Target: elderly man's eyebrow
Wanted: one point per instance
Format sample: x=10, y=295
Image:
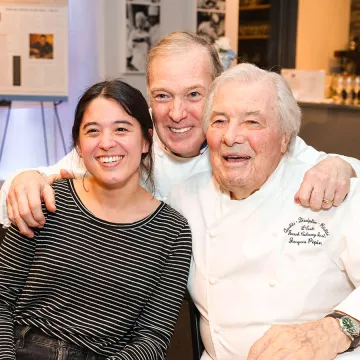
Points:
x=218, y=113
x=252, y=112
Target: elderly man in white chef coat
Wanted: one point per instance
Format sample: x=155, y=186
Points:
x=262, y=264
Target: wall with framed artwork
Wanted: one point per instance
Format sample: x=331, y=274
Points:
x=170, y=15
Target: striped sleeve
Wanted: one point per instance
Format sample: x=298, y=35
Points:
x=16, y=255
x=155, y=325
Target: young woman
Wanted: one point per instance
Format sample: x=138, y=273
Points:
x=105, y=277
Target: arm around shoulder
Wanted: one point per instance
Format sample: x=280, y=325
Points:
x=20, y=198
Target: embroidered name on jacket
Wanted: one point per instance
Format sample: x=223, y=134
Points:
x=306, y=231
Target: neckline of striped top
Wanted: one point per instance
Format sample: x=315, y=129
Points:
x=93, y=217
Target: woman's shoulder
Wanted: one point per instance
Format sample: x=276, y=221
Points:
x=173, y=215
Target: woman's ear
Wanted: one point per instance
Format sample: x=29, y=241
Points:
x=146, y=146
x=78, y=150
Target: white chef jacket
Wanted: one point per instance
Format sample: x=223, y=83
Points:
x=265, y=260
x=169, y=169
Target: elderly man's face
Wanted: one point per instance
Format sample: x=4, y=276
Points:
x=244, y=136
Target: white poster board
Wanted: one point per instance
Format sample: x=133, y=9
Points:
x=306, y=85
x=34, y=50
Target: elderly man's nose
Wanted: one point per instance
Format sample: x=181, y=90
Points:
x=233, y=135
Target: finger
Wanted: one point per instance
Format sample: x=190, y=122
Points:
x=49, y=198
x=35, y=208
x=67, y=174
x=51, y=178
x=23, y=227
x=23, y=207
x=302, y=197
x=341, y=193
x=316, y=199
x=16, y=219
x=257, y=349
x=259, y=346
x=270, y=351
x=329, y=196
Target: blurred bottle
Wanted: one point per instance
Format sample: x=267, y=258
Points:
x=354, y=44
x=357, y=91
x=350, y=93
x=339, y=89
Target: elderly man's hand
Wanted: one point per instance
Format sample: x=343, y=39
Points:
x=23, y=202
x=318, y=340
x=326, y=184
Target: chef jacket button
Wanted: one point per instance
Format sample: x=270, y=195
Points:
x=272, y=283
x=211, y=233
x=212, y=281
x=164, y=198
x=161, y=154
x=217, y=329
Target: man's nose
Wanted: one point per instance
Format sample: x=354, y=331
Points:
x=234, y=134
x=178, y=110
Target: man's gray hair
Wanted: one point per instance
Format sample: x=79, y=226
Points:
x=286, y=107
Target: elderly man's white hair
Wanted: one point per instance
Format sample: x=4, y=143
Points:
x=286, y=107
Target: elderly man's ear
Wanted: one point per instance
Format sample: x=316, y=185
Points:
x=284, y=143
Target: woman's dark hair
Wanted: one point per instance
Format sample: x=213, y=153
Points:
x=133, y=102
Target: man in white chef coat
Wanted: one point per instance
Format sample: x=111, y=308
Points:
x=180, y=70
x=266, y=271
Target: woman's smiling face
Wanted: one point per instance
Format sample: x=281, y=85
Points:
x=111, y=143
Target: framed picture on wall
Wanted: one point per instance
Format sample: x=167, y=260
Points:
x=212, y=5
x=211, y=18
x=142, y=32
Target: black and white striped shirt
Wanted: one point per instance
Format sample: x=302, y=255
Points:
x=115, y=289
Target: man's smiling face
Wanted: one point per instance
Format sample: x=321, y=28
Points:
x=178, y=85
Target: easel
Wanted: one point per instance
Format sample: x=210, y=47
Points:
x=6, y=103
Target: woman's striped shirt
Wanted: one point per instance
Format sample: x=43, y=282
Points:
x=115, y=289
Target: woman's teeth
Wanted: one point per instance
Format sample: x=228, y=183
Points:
x=109, y=159
x=177, y=131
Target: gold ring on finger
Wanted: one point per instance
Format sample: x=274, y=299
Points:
x=326, y=201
